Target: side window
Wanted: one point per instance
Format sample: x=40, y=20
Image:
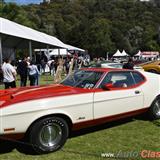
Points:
x=119, y=79
x=138, y=77
x=107, y=79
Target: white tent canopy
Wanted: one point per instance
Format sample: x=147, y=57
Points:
x=16, y=30
x=57, y=52
x=69, y=47
x=14, y=35
x=138, y=54
x=124, y=53
x=62, y=52
x=117, y=54
x=53, y=52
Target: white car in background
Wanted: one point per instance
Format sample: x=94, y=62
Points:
x=118, y=65
x=105, y=64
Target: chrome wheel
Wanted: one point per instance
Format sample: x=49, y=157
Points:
x=154, y=111
x=50, y=135
x=156, y=108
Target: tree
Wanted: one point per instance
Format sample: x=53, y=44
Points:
x=98, y=26
x=99, y=36
x=16, y=13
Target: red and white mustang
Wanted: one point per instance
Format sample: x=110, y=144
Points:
x=47, y=114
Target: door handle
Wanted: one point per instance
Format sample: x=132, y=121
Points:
x=137, y=92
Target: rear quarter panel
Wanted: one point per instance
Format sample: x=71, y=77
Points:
x=151, y=88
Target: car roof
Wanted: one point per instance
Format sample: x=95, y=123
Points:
x=104, y=69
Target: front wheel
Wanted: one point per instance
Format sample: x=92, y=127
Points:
x=48, y=134
x=155, y=109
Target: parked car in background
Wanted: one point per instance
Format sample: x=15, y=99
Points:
x=153, y=67
x=45, y=115
x=98, y=64
x=109, y=64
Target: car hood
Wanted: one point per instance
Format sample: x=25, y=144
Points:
x=16, y=95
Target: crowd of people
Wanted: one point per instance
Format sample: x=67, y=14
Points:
x=24, y=68
x=28, y=69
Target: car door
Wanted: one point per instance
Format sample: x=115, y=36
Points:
x=121, y=98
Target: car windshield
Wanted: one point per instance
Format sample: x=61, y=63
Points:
x=82, y=79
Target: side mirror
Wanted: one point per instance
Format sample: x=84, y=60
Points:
x=107, y=86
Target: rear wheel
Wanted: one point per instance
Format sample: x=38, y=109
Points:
x=155, y=109
x=48, y=135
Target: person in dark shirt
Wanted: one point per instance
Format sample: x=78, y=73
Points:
x=22, y=69
x=129, y=64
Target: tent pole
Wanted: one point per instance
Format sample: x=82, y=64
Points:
x=1, y=56
x=30, y=49
x=47, y=52
x=14, y=54
x=58, y=52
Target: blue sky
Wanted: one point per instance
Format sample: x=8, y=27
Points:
x=24, y=1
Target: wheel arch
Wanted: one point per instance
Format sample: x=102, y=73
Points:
x=158, y=96
x=152, y=112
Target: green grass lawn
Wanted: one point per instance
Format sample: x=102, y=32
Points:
x=129, y=135
x=125, y=136
x=43, y=79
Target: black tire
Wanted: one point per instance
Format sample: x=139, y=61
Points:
x=155, y=109
x=6, y=146
x=152, y=71
x=48, y=134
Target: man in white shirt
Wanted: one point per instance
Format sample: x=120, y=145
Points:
x=9, y=74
